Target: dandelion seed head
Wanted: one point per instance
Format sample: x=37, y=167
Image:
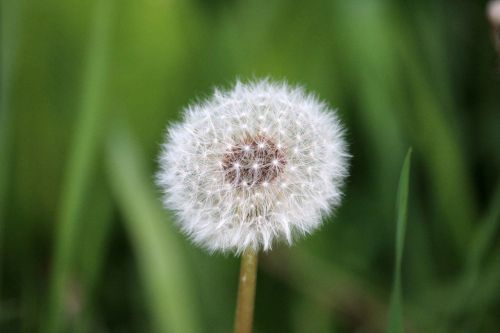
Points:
x=273, y=177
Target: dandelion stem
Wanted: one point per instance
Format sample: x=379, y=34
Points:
x=246, y=292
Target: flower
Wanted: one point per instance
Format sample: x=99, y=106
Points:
x=249, y=166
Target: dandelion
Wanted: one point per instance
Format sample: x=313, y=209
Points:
x=260, y=163
x=253, y=166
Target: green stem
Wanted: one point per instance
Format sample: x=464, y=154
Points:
x=246, y=292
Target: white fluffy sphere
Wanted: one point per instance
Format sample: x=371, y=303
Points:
x=258, y=163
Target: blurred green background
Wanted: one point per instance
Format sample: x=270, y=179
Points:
x=87, y=88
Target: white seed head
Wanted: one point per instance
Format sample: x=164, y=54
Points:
x=274, y=176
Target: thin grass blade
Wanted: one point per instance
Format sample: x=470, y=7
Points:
x=81, y=165
x=161, y=259
x=395, y=324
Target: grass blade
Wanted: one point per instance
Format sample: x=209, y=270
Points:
x=485, y=235
x=442, y=155
x=9, y=17
x=161, y=259
x=81, y=163
x=472, y=282
x=396, y=307
x=95, y=238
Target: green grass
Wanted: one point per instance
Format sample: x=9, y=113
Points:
x=9, y=16
x=396, y=323
x=88, y=88
x=81, y=166
x=161, y=259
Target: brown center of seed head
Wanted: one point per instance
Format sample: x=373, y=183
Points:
x=255, y=161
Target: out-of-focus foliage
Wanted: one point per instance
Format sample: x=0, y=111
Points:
x=87, y=88
x=395, y=322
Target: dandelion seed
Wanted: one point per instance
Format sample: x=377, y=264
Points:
x=242, y=194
